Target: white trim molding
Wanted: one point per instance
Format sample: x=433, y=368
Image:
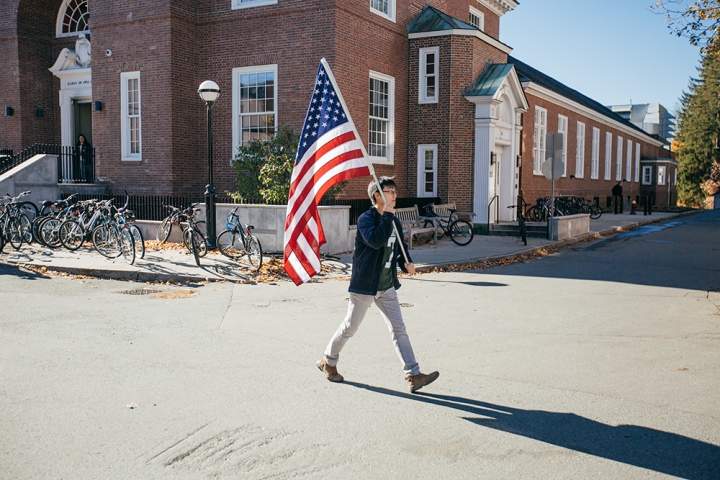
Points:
x=424, y=76
x=465, y=33
x=501, y=7
x=557, y=99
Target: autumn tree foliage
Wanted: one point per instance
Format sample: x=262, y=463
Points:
x=697, y=20
x=698, y=132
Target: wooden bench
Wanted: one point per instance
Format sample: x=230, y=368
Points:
x=412, y=223
x=443, y=210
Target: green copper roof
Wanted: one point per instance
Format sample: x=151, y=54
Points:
x=433, y=20
x=490, y=80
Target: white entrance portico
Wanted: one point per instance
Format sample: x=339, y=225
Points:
x=499, y=101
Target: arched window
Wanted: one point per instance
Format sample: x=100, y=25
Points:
x=73, y=18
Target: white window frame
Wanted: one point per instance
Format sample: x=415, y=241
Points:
x=539, y=140
x=595, y=161
x=580, y=151
x=661, y=174
x=480, y=16
x=125, y=117
x=423, y=97
x=647, y=175
x=628, y=166
x=675, y=174
x=637, y=162
x=238, y=4
x=59, y=22
x=618, y=165
x=390, y=14
x=563, y=128
x=236, y=114
x=390, y=147
x=422, y=170
x=608, y=155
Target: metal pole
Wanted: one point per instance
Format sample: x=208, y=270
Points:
x=210, y=188
x=552, y=194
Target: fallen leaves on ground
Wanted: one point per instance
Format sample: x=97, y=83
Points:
x=175, y=294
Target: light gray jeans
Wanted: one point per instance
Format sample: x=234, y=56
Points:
x=387, y=302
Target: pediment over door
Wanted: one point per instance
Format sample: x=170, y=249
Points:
x=499, y=81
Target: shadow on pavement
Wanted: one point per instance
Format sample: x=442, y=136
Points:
x=643, y=447
x=17, y=272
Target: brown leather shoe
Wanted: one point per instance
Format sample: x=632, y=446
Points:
x=330, y=372
x=416, y=382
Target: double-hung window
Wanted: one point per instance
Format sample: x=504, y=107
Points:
x=618, y=166
x=427, y=170
x=647, y=175
x=254, y=104
x=539, y=146
x=628, y=166
x=595, y=161
x=381, y=118
x=608, y=155
x=237, y=4
x=384, y=8
x=637, y=162
x=661, y=174
x=563, y=128
x=130, y=128
x=580, y=153
x=428, y=81
x=477, y=18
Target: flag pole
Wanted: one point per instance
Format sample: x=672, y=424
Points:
x=328, y=71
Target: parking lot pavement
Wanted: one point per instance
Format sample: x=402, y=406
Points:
x=177, y=265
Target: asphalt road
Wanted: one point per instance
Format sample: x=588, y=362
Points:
x=598, y=361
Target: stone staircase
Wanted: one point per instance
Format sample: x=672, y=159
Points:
x=534, y=229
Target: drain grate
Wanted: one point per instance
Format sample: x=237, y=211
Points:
x=141, y=291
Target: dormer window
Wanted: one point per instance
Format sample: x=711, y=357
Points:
x=73, y=18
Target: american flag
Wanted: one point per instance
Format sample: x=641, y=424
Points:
x=329, y=152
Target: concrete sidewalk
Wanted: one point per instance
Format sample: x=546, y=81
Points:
x=178, y=265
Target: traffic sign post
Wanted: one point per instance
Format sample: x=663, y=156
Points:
x=553, y=168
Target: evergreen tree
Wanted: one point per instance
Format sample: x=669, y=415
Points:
x=698, y=131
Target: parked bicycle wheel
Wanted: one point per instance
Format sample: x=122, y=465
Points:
x=230, y=244
x=461, y=232
x=254, y=252
x=29, y=209
x=532, y=214
x=164, y=230
x=13, y=236
x=127, y=246
x=139, y=241
x=49, y=232
x=193, y=243
x=106, y=242
x=25, y=228
x=72, y=234
x=595, y=212
x=202, y=244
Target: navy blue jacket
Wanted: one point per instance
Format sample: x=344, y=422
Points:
x=373, y=232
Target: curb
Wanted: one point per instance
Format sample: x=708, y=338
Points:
x=427, y=268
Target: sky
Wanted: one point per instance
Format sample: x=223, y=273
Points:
x=613, y=51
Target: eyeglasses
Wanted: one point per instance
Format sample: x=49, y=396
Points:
x=391, y=192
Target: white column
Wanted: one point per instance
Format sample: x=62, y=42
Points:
x=484, y=141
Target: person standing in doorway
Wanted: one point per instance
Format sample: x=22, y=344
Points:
x=617, y=193
x=374, y=280
x=84, y=159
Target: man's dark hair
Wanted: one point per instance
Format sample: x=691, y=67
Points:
x=384, y=182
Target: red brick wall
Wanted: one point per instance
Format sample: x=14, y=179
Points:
x=534, y=186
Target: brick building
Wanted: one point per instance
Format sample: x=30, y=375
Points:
x=434, y=94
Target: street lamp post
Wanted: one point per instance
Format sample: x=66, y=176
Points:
x=209, y=92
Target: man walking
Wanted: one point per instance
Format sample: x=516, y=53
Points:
x=374, y=280
x=617, y=193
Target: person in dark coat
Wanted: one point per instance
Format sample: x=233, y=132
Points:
x=374, y=280
x=617, y=193
x=83, y=151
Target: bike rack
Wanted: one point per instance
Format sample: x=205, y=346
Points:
x=497, y=212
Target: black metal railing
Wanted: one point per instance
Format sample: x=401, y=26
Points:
x=75, y=165
x=150, y=207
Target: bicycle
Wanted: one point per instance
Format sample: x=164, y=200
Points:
x=540, y=212
x=16, y=226
x=459, y=231
x=235, y=242
x=522, y=235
